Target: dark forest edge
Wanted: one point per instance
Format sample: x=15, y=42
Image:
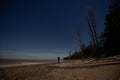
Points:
x=109, y=41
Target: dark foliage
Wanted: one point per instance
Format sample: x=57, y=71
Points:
x=89, y=51
x=110, y=37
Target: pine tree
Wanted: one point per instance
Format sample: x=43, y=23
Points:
x=111, y=35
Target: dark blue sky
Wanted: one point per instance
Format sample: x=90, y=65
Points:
x=46, y=28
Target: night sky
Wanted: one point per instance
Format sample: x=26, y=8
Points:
x=45, y=29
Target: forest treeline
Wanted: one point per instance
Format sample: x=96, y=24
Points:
x=109, y=39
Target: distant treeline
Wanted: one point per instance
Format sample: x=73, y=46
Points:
x=109, y=40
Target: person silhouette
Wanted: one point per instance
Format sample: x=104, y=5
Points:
x=58, y=59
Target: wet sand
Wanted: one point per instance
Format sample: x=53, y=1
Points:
x=15, y=63
x=23, y=64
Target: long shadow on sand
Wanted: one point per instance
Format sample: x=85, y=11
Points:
x=85, y=66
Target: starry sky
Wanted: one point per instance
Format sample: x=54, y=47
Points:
x=45, y=29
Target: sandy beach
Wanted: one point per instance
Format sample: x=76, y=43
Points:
x=45, y=72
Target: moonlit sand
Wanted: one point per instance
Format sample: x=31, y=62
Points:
x=47, y=71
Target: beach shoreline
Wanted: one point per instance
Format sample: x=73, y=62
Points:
x=44, y=72
x=16, y=63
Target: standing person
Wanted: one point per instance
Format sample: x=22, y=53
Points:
x=58, y=59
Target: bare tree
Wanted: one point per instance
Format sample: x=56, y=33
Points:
x=92, y=26
x=80, y=42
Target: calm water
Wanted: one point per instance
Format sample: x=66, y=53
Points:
x=12, y=63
